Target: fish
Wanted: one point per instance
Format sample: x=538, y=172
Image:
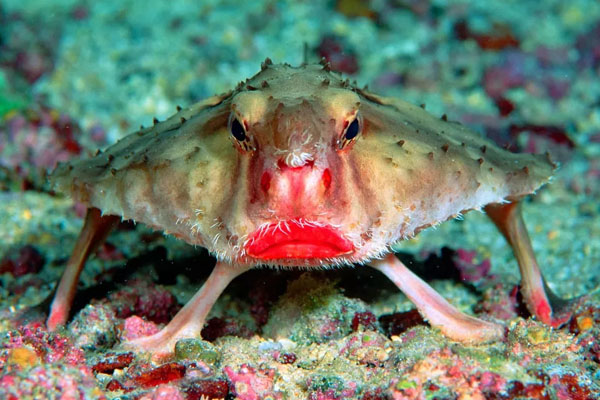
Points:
x=298, y=167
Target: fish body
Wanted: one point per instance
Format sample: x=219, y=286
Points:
x=298, y=167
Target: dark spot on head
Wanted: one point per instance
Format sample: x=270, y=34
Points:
x=183, y=120
x=463, y=144
x=178, y=108
x=483, y=148
x=113, y=171
x=110, y=157
x=445, y=147
x=444, y=117
x=422, y=105
x=264, y=84
x=400, y=143
x=480, y=161
x=526, y=169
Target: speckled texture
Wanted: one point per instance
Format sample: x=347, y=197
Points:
x=110, y=66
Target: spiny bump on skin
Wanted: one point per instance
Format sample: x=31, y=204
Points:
x=526, y=169
x=98, y=151
x=264, y=84
x=400, y=143
x=265, y=64
x=155, y=120
x=251, y=88
x=430, y=155
x=480, y=160
x=444, y=117
x=178, y=108
x=549, y=159
x=483, y=148
x=110, y=157
x=113, y=171
x=422, y=105
x=445, y=147
x=183, y=120
x=325, y=82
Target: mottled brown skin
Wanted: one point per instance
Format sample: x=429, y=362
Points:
x=297, y=174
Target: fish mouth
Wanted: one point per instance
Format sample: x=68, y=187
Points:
x=294, y=240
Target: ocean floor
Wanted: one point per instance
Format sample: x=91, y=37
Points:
x=77, y=75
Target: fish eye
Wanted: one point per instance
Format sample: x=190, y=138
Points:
x=237, y=130
x=352, y=130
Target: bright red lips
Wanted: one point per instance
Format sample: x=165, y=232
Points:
x=293, y=240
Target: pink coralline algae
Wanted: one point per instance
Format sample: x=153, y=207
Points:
x=500, y=303
x=364, y=320
x=35, y=140
x=49, y=347
x=252, y=384
x=164, y=392
x=141, y=298
x=135, y=327
x=28, y=261
x=470, y=271
x=40, y=365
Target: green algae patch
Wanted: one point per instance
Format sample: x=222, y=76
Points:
x=403, y=385
x=8, y=101
x=312, y=310
x=196, y=349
